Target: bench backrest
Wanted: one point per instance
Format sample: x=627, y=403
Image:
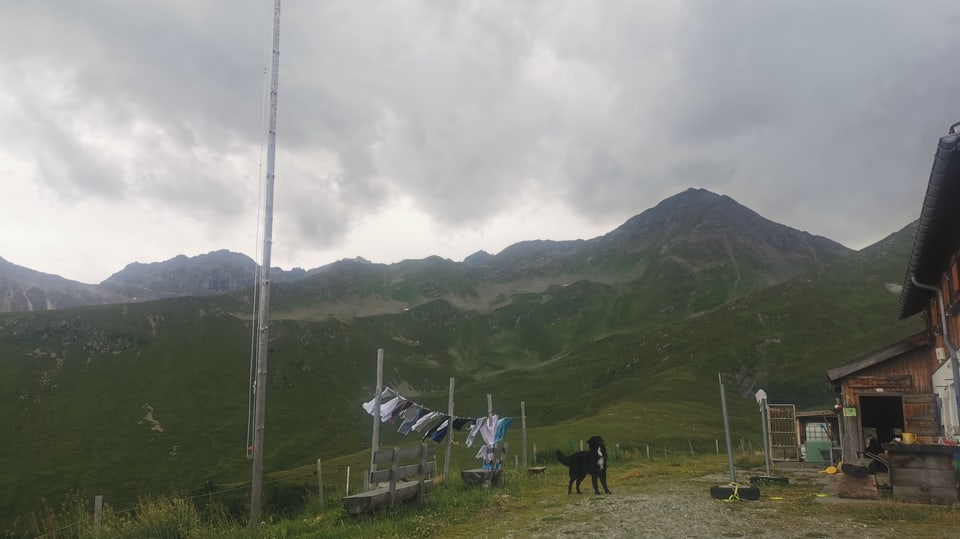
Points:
x=421, y=467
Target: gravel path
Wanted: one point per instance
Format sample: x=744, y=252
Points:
x=685, y=509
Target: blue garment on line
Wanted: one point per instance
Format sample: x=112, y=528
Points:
x=502, y=425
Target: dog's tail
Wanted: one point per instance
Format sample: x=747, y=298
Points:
x=565, y=460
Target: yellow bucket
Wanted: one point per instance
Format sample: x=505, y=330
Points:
x=909, y=438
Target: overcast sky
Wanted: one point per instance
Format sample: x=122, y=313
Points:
x=135, y=131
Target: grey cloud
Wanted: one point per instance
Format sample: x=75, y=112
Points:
x=608, y=105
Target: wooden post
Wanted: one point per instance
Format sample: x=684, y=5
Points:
x=691, y=447
x=423, y=461
x=375, y=443
x=488, y=479
x=348, y=480
x=394, y=473
x=581, y=445
x=648, y=451
x=320, y=484
x=716, y=442
x=523, y=424
x=534, y=454
x=97, y=515
x=446, y=461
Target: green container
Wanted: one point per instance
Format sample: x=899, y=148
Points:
x=818, y=451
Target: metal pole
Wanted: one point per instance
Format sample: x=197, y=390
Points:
x=446, y=462
x=726, y=430
x=263, y=315
x=766, y=437
x=375, y=442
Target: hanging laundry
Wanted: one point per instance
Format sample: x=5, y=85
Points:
x=460, y=422
x=404, y=404
x=371, y=405
x=473, y=432
x=440, y=434
x=386, y=410
x=436, y=426
x=488, y=428
x=422, y=422
x=410, y=418
x=487, y=455
x=502, y=425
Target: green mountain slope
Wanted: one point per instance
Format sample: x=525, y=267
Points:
x=133, y=399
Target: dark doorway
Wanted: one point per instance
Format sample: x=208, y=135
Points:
x=881, y=419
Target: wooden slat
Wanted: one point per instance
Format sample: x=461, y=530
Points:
x=384, y=456
x=380, y=497
x=920, y=414
x=889, y=381
x=849, y=486
x=918, y=476
x=922, y=461
x=402, y=473
x=916, y=494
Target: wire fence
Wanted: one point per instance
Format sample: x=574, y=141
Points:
x=295, y=491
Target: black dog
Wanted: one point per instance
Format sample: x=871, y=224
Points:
x=593, y=462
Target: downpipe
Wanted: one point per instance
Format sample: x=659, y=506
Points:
x=945, y=331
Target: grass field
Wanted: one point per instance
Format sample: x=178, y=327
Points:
x=660, y=497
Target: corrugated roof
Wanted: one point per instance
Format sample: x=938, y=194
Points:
x=878, y=356
x=938, y=232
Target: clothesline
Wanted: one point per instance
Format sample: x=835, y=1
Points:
x=416, y=417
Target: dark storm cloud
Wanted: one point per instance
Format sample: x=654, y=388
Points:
x=809, y=112
x=832, y=109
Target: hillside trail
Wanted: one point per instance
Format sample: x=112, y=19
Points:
x=681, y=508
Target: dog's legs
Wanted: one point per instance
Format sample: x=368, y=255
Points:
x=579, y=479
x=593, y=479
x=570, y=485
x=603, y=481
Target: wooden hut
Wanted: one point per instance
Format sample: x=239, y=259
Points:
x=884, y=394
x=926, y=471
x=895, y=400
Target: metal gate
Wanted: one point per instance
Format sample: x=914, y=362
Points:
x=782, y=429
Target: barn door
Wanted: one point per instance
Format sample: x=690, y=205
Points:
x=783, y=431
x=920, y=414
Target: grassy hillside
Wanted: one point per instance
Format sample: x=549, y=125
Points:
x=134, y=399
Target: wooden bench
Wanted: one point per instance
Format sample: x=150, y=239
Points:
x=404, y=481
x=536, y=470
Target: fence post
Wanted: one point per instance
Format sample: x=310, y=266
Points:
x=348, y=480
x=534, y=454
x=97, y=515
x=320, y=484
x=691, y=448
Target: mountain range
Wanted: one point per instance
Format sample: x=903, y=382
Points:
x=623, y=334
x=696, y=234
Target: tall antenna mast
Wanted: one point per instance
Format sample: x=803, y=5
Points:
x=263, y=314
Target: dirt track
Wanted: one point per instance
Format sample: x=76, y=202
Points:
x=685, y=509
